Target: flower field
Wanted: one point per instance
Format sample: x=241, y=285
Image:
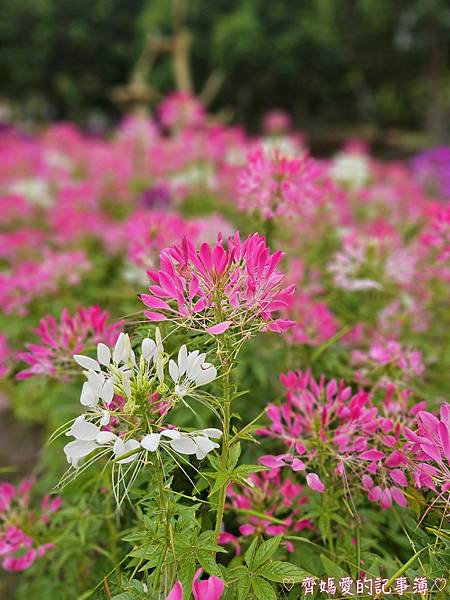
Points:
x=231, y=359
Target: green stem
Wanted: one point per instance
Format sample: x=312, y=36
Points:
x=164, y=511
x=225, y=448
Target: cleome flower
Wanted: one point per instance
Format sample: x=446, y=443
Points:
x=191, y=371
x=59, y=340
x=102, y=430
x=324, y=423
x=22, y=530
x=217, y=287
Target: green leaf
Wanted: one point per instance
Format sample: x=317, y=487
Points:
x=324, y=525
x=332, y=568
x=277, y=570
x=245, y=470
x=265, y=551
x=243, y=588
x=250, y=552
x=208, y=563
x=262, y=589
x=221, y=480
x=235, y=452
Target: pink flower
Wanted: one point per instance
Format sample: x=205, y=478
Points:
x=218, y=287
x=17, y=542
x=59, y=341
x=36, y=278
x=277, y=186
x=179, y=110
x=313, y=481
x=208, y=589
x=4, y=356
x=176, y=592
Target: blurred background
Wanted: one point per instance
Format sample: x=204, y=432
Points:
x=375, y=69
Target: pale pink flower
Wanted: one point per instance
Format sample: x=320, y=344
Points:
x=280, y=187
x=179, y=110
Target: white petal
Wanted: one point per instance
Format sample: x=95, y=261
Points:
x=174, y=372
x=119, y=447
x=103, y=354
x=207, y=376
x=197, y=367
x=96, y=381
x=105, y=437
x=148, y=348
x=151, y=441
x=173, y=434
x=211, y=432
x=127, y=446
x=182, y=359
x=126, y=376
x=83, y=430
x=184, y=445
x=192, y=357
x=204, y=446
x=79, y=449
x=86, y=362
x=119, y=348
x=88, y=397
x=108, y=392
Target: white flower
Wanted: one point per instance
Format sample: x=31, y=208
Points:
x=120, y=448
x=196, y=442
x=85, y=434
x=351, y=170
x=123, y=351
x=191, y=371
x=35, y=190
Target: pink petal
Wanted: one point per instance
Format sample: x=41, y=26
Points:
x=371, y=455
x=176, y=592
x=219, y=328
x=313, y=481
x=154, y=316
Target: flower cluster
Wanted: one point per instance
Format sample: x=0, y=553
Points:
x=280, y=187
x=59, y=340
x=217, y=287
x=109, y=428
x=325, y=427
x=270, y=505
x=21, y=529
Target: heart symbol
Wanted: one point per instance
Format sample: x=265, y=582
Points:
x=440, y=583
x=288, y=583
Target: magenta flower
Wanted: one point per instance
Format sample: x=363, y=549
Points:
x=277, y=499
x=363, y=446
x=430, y=443
x=176, y=593
x=218, y=287
x=59, y=341
x=208, y=589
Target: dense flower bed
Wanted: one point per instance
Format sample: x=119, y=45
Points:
x=240, y=355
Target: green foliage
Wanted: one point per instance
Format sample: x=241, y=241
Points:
x=302, y=56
